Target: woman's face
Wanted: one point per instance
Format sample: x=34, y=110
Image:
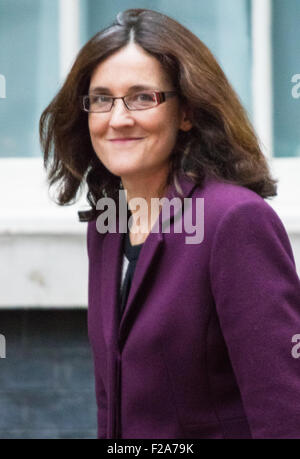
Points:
x=154, y=130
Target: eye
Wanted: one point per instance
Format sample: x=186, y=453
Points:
x=144, y=97
x=99, y=99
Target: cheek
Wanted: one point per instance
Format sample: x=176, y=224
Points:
x=96, y=133
x=167, y=133
x=96, y=128
x=165, y=124
x=160, y=128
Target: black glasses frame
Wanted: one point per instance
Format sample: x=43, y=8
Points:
x=160, y=97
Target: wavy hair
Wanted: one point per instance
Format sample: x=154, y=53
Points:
x=222, y=142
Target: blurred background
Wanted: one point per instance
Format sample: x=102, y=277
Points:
x=46, y=379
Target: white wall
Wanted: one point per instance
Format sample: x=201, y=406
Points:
x=43, y=257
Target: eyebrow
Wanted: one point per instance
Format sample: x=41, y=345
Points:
x=103, y=90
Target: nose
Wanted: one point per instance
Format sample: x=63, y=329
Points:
x=120, y=115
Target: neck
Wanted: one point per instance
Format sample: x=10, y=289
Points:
x=148, y=187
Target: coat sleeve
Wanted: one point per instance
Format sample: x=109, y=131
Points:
x=101, y=396
x=257, y=296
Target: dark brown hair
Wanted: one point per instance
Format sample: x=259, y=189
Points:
x=221, y=143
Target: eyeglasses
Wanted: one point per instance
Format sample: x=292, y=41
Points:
x=101, y=103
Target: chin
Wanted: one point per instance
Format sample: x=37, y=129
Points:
x=126, y=170
x=128, y=173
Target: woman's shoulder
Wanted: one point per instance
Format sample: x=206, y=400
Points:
x=222, y=198
x=224, y=192
x=94, y=236
x=227, y=205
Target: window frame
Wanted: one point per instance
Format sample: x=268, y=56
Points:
x=286, y=170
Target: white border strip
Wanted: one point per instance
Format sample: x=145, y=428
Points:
x=262, y=84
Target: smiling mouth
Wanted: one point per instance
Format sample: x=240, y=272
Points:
x=126, y=140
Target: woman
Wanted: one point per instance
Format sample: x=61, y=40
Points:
x=190, y=340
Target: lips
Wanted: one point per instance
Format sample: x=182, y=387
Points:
x=125, y=141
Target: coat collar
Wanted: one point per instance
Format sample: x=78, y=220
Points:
x=115, y=329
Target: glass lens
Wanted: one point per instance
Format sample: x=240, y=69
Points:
x=98, y=103
x=141, y=100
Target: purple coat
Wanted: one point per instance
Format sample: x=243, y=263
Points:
x=203, y=349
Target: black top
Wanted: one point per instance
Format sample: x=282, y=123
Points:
x=131, y=252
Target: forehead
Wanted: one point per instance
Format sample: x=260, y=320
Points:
x=130, y=66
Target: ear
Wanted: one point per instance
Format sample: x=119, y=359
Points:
x=185, y=123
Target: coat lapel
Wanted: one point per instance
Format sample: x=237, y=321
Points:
x=115, y=329
x=148, y=252
x=110, y=274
